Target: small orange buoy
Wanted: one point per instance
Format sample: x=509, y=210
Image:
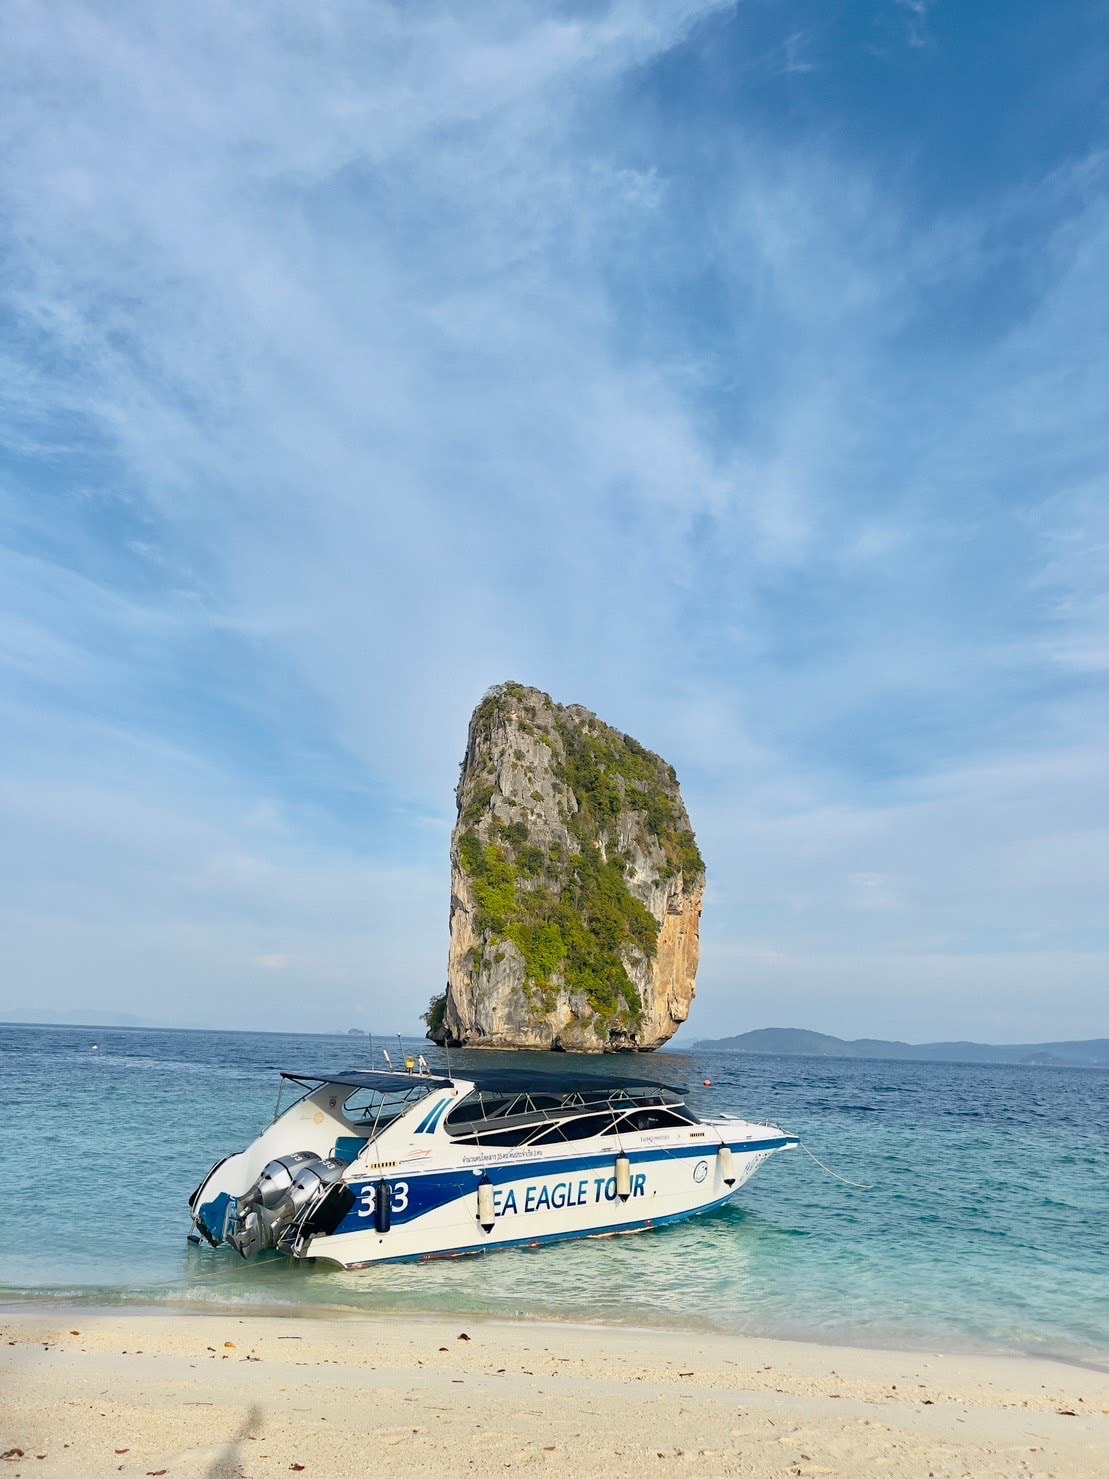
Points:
x=708, y=1083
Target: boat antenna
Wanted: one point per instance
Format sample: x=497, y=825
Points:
x=385, y=1055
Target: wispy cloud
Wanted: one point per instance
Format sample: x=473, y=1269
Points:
x=916, y=18
x=358, y=358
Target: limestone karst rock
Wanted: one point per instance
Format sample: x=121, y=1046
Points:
x=576, y=886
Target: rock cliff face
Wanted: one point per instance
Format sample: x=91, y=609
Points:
x=576, y=886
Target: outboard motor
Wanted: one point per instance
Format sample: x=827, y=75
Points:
x=277, y=1177
x=285, y=1189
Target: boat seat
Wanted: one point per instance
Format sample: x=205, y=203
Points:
x=349, y=1147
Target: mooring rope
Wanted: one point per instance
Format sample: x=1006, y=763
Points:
x=856, y=1184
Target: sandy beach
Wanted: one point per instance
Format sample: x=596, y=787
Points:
x=89, y=1393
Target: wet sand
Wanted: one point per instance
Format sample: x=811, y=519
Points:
x=105, y=1393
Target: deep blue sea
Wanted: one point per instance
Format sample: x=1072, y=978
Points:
x=986, y=1225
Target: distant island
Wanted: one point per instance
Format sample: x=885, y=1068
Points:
x=796, y=1042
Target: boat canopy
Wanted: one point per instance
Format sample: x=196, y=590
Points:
x=519, y=1081
x=489, y=1081
x=385, y=1083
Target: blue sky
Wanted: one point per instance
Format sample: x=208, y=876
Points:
x=736, y=370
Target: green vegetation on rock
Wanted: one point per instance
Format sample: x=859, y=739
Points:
x=610, y=773
x=436, y=1013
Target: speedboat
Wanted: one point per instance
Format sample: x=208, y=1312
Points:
x=374, y=1167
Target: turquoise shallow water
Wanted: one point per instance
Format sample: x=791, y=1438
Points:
x=987, y=1224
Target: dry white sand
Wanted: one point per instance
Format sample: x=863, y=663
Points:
x=184, y=1394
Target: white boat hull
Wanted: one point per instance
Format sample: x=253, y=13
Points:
x=536, y=1203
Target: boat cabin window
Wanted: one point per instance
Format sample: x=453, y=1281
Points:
x=663, y=1117
x=511, y=1119
x=576, y=1127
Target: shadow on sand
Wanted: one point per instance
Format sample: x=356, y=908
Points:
x=228, y=1464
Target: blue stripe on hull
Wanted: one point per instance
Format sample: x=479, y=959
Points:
x=426, y=1192
x=429, y=1191
x=643, y=1225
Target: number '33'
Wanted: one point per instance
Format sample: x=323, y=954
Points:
x=368, y=1198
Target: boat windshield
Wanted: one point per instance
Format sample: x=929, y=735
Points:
x=370, y=1111
x=527, y=1117
x=370, y=1101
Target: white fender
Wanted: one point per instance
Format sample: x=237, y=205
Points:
x=726, y=1165
x=485, y=1211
